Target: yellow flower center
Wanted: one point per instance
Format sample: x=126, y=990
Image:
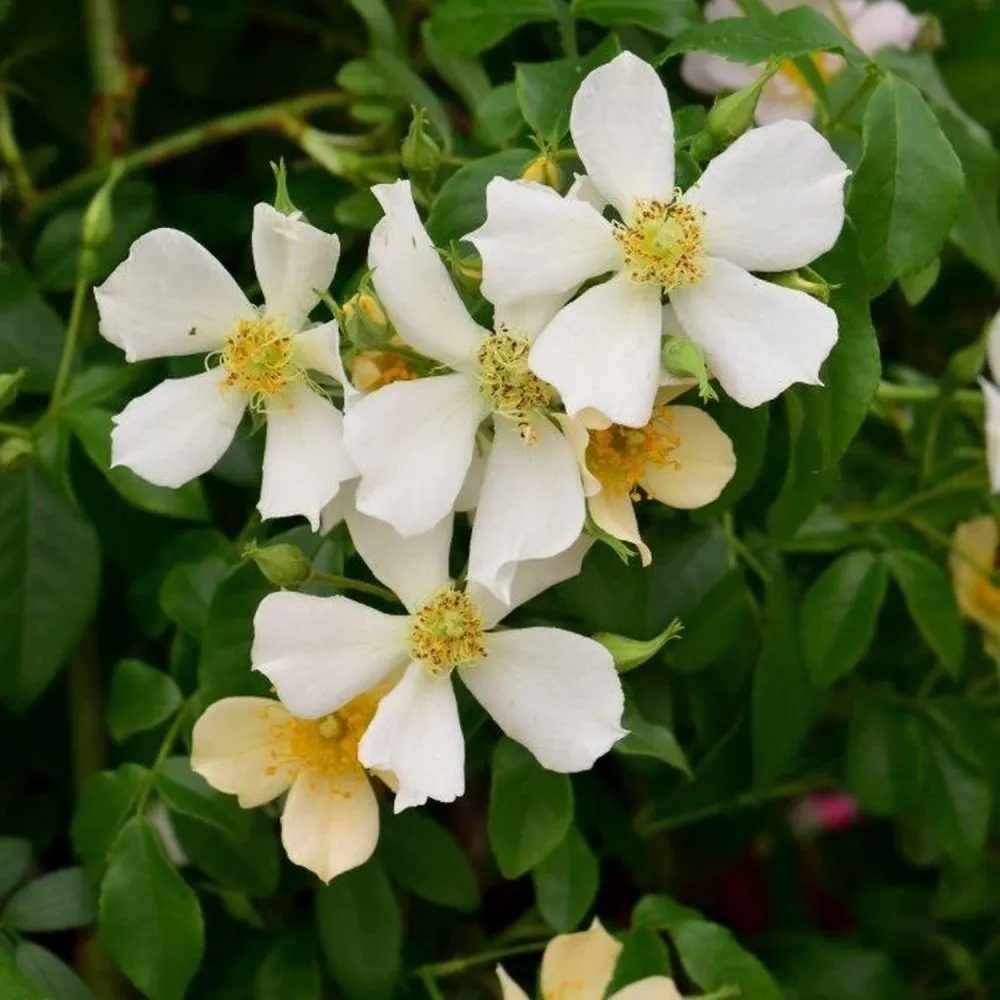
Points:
x=511, y=387
x=619, y=456
x=257, y=357
x=664, y=244
x=327, y=746
x=448, y=631
x=372, y=369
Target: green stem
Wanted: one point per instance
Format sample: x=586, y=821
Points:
x=80, y=291
x=10, y=153
x=439, y=970
x=894, y=393
x=85, y=693
x=281, y=116
x=166, y=748
x=14, y=430
x=112, y=78
x=567, y=29
x=361, y=586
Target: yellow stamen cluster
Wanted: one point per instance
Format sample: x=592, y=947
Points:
x=664, y=244
x=322, y=747
x=513, y=390
x=372, y=369
x=619, y=456
x=448, y=631
x=257, y=357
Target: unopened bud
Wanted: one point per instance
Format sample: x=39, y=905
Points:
x=544, y=170
x=99, y=217
x=331, y=153
x=364, y=321
x=631, y=653
x=8, y=386
x=730, y=117
x=284, y=565
x=15, y=451
x=681, y=356
x=811, y=284
x=282, y=202
x=420, y=153
x=467, y=270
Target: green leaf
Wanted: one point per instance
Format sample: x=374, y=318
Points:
x=290, y=971
x=379, y=22
x=14, y=984
x=566, y=882
x=916, y=287
x=839, y=613
x=643, y=955
x=426, y=859
x=15, y=862
x=647, y=739
x=150, y=918
x=905, y=193
x=783, y=700
x=49, y=570
x=827, y=969
x=93, y=430
x=468, y=27
x=545, y=90
x=409, y=88
x=188, y=589
x=360, y=931
x=190, y=794
x=931, y=602
x=713, y=959
x=788, y=35
x=530, y=809
x=104, y=806
x=56, y=901
x=49, y=972
x=663, y=17
x=460, y=205
x=141, y=697
x=466, y=76
x=21, y=309
x=498, y=116
x=956, y=801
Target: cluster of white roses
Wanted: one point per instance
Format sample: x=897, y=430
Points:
x=563, y=408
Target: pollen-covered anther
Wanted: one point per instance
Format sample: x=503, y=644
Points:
x=257, y=357
x=664, y=243
x=619, y=456
x=372, y=369
x=448, y=631
x=513, y=390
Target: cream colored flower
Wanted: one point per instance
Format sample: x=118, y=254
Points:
x=256, y=749
x=580, y=966
x=972, y=561
x=680, y=457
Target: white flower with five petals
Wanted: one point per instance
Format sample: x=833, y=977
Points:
x=171, y=297
x=773, y=201
x=553, y=691
x=414, y=441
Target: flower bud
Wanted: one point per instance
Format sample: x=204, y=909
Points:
x=730, y=117
x=631, y=653
x=330, y=152
x=544, y=170
x=420, y=153
x=284, y=565
x=363, y=321
x=282, y=202
x=812, y=284
x=681, y=356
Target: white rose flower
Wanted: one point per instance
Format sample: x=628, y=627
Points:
x=871, y=26
x=773, y=201
x=991, y=397
x=553, y=691
x=256, y=749
x=171, y=297
x=414, y=441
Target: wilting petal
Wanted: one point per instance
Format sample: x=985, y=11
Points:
x=294, y=261
x=759, y=338
x=304, y=456
x=531, y=505
x=413, y=284
x=416, y=735
x=774, y=200
x=169, y=297
x=320, y=652
x=603, y=351
x=624, y=133
x=178, y=430
x=330, y=822
x=233, y=747
x=535, y=243
x=413, y=442
x=586, y=958
x=553, y=691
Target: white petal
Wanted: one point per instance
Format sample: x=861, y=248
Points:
x=294, y=261
x=528, y=317
x=530, y=578
x=759, y=338
x=555, y=692
x=615, y=514
x=178, y=430
x=701, y=465
x=991, y=397
x=651, y=988
x=993, y=346
x=337, y=509
x=531, y=505
x=416, y=735
x=330, y=823
x=535, y=243
x=318, y=349
x=320, y=652
x=233, y=749
x=624, y=133
x=882, y=24
x=413, y=442
x=169, y=297
x=414, y=567
x=779, y=104
x=509, y=990
x=774, y=200
x=413, y=284
x=603, y=351
x=586, y=960
x=468, y=495
x=584, y=189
